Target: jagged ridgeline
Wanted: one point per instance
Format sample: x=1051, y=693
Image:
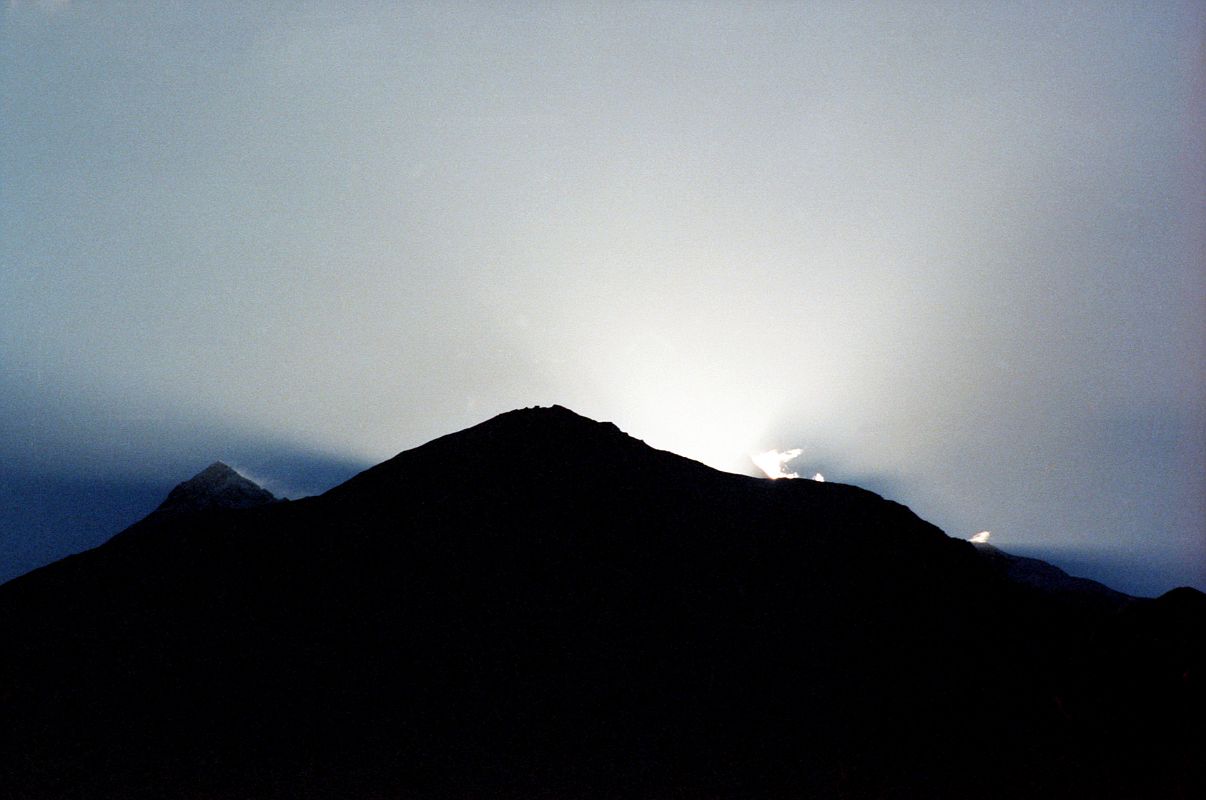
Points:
x=544, y=606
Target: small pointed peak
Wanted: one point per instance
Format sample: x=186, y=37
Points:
x=217, y=486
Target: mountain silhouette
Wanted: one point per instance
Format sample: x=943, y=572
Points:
x=216, y=487
x=1048, y=578
x=541, y=605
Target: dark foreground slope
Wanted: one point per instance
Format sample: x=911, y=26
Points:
x=544, y=606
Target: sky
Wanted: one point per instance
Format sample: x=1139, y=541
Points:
x=953, y=251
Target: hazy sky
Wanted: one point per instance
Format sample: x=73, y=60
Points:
x=954, y=251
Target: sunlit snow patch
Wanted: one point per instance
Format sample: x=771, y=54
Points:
x=772, y=462
x=981, y=537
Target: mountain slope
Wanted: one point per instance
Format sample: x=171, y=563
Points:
x=1047, y=579
x=218, y=487
x=543, y=605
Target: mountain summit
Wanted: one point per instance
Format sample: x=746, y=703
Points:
x=544, y=605
x=216, y=486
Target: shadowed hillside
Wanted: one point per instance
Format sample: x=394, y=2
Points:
x=543, y=606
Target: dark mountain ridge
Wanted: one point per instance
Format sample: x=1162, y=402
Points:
x=1040, y=576
x=543, y=605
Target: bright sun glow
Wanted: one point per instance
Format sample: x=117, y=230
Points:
x=772, y=462
x=981, y=537
x=819, y=477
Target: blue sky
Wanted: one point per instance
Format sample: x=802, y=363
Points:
x=954, y=251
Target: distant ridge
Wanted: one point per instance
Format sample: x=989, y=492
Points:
x=218, y=487
x=1042, y=576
